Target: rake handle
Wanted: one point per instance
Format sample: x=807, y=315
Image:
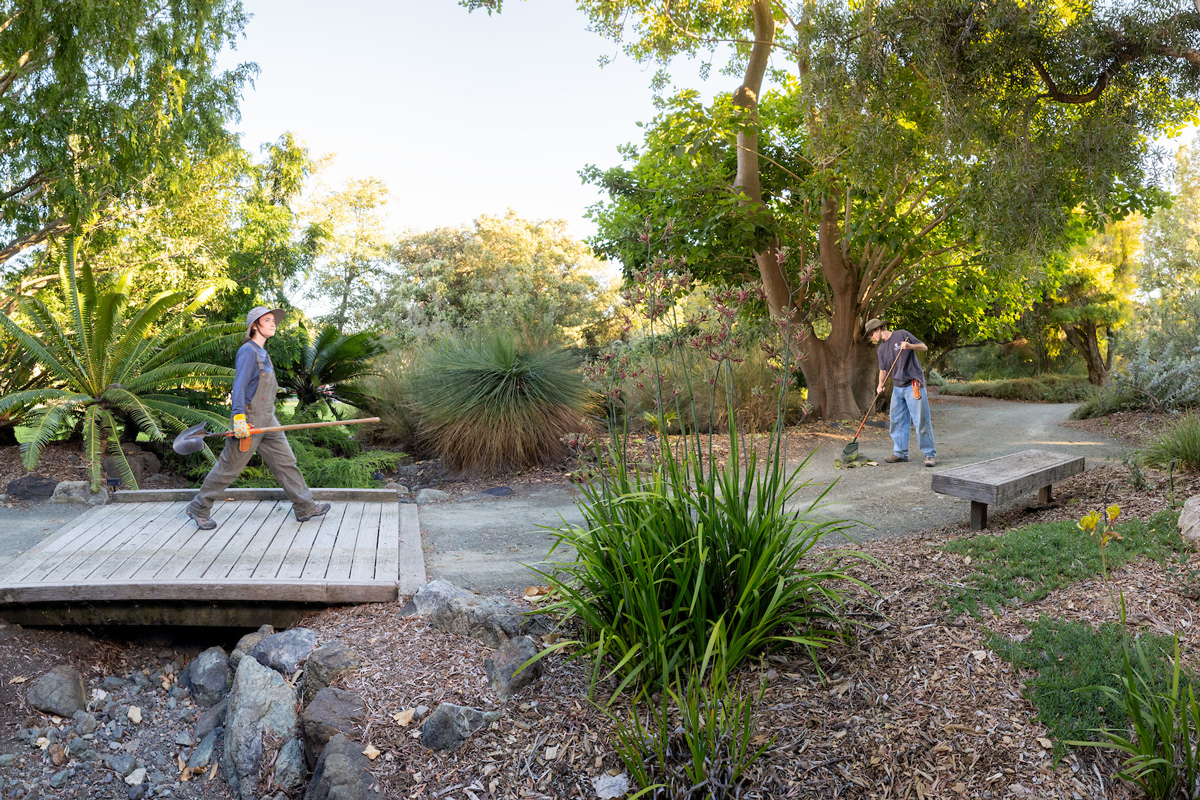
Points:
x=864, y=419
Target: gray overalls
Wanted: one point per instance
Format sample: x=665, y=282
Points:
x=273, y=447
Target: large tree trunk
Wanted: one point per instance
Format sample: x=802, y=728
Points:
x=1084, y=338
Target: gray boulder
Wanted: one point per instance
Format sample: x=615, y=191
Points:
x=342, y=773
x=141, y=463
x=31, y=487
x=208, y=677
x=59, y=691
x=78, y=493
x=331, y=712
x=504, y=671
x=262, y=714
x=492, y=620
x=202, y=756
x=284, y=652
x=290, y=770
x=427, y=496
x=450, y=725
x=325, y=665
x=211, y=719
x=1189, y=521
x=246, y=642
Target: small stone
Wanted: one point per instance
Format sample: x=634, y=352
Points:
x=121, y=763
x=498, y=491
x=427, y=496
x=507, y=672
x=85, y=723
x=450, y=725
x=136, y=777
x=31, y=487
x=59, y=692
x=137, y=792
x=59, y=779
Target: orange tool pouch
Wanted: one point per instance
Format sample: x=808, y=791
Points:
x=244, y=444
x=916, y=389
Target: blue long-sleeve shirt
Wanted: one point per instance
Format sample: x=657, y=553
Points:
x=245, y=374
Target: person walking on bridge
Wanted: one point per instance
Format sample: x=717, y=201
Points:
x=253, y=406
x=910, y=401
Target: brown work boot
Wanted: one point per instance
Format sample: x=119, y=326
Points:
x=203, y=523
x=319, y=510
x=930, y=461
x=893, y=459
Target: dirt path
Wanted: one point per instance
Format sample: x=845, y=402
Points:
x=895, y=499
x=486, y=543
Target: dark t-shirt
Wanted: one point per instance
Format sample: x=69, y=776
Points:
x=908, y=368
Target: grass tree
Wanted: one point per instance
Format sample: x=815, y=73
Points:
x=108, y=366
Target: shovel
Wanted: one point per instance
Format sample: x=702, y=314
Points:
x=192, y=440
x=851, y=451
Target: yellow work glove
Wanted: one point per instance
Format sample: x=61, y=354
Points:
x=240, y=429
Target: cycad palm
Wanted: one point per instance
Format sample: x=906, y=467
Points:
x=326, y=368
x=102, y=365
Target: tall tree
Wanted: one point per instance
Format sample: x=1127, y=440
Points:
x=355, y=250
x=526, y=275
x=100, y=100
x=933, y=130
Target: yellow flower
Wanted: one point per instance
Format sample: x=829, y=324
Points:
x=1089, y=522
x=1113, y=511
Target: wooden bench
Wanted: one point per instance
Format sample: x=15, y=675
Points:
x=999, y=480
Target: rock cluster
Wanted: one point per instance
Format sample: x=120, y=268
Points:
x=491, y=620
x=247, y=718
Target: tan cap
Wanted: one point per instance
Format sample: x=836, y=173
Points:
x=258, y=312
x=872, y=326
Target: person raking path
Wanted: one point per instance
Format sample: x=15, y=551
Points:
x=910, y=398
x=253, y=406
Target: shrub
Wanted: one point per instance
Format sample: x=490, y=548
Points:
x=329, y=367
x=705, y=756
x=489, y=403
x=387, y=394
x=1041, y=389
x=1160, y=375
x=108, y=370
x=1180, y=442
x=691, y=557
x=1164, y=756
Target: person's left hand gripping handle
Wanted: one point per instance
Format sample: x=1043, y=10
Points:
x=242, y=431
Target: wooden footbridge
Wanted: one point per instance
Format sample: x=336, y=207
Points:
x=140, y=560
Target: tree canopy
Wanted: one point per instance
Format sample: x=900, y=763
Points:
x=528, y=275
x=919, y=137
x=102, y=102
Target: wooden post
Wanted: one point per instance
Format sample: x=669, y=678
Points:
x=978, y=515
x=1044, y=497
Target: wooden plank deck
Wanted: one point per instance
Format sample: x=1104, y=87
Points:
x=143, y=549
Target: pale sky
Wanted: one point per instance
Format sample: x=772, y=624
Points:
x=459, y=113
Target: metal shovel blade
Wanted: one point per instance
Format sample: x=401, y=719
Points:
x=190, y=441
x=851, y=451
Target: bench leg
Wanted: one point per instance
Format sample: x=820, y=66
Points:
x=1044, y=496
x=978, y=515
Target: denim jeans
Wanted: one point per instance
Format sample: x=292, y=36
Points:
x=909, y=411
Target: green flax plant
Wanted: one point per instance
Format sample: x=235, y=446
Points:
x=696, y=560
x=106, y=369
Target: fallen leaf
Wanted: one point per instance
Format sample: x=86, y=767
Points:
x=551, y=753
x=980, y=655
x=404, y=718
x=18, y=679
x=1046, y=743
x=371, y=752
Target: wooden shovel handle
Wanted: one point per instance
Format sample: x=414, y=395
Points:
x=311, y=425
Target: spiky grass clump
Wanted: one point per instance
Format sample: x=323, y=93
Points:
x=1179, y=443
x=492, y=403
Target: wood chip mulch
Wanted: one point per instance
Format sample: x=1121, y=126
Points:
x=915, y=707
